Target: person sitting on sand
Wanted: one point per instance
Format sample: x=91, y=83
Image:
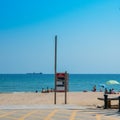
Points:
x=106, y=91
x=36, y=91
x=112, y=91
x=43, y=91
x=94, y=88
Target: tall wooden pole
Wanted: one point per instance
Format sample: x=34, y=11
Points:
x=55, y=68
x=66, y=78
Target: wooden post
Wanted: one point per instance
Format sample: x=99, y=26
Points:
x=55, y=68
x=66, y=87
x=119, y=104
x=105, y=101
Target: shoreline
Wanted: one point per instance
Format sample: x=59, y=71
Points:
x=84, y=91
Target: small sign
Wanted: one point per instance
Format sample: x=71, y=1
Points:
x=60, y=75
x=61, y=82
x=60, y=88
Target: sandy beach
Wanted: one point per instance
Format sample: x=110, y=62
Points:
x=77, y=98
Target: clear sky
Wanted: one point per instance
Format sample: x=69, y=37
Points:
x=88, y=36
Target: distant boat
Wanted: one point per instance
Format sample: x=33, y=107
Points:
x=34, y=73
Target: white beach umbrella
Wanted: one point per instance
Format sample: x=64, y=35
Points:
x=111, y=82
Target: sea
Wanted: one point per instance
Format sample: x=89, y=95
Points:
x=13, y=83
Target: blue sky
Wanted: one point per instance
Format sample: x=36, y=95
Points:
x=88, y=36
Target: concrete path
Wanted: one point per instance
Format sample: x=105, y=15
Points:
x=56, y=112
x=41, y=107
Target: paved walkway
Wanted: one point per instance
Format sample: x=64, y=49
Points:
x=56, y=112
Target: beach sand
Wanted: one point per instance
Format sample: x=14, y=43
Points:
x=76, y=98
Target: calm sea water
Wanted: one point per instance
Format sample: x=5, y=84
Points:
x=33, y=82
